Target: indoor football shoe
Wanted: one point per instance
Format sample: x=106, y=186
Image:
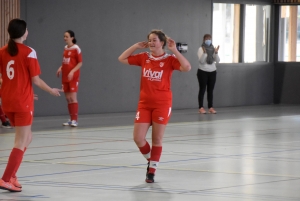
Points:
x=150, y=178
x=15, y=182
x=9, y=186
x=68, y=123
x=6, y=124
x=74, y=123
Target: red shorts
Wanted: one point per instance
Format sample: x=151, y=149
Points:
x=71, y=86
x=19, y=118
x=149, y=115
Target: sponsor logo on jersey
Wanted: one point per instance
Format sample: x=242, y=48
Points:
x=69, y=53
x=66, y=60
x=153, y=75
x=161, y=64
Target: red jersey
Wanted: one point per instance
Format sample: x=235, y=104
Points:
x=17, y=71
x=72, y=56
x=156, y=75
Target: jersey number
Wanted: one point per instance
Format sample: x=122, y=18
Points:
x=10, y=70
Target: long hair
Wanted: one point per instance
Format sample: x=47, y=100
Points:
x=16, y=29
x=72, y=34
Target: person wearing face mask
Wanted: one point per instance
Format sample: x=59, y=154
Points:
x=207, y=72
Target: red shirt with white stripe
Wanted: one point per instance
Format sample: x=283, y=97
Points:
x=156, y=76
x=71, y=57
x=17, y=71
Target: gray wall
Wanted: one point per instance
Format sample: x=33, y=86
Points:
x=104, y=29
x=287, y=82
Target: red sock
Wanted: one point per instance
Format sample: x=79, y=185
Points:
x=73, y=111
x=17, y=168
x=145, y=150
x=154, y=160
x=2, y=115
x=14, y=161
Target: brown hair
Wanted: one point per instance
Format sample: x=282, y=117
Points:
x=16, y=29
x=206, y=35
x=161, y=35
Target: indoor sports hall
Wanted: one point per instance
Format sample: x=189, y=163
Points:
x=248, y=150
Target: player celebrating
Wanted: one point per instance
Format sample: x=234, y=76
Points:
x=19, y=68
x=72, y=62
x=154, y=107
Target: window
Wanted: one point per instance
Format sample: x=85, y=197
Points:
x=229, y=20
x=224, y=32
x=289, y=34
x=256, y=33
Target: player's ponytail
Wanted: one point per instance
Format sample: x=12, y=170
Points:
x=72, y=35
x=16, y=29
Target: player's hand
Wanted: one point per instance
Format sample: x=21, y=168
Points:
x=58, y=72
x=70, y=76
x=141, y=45
x=217, y=49
x=35, y=97
x=55, y=91
x=171, y=44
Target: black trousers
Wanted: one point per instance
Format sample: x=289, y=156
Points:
x=206, y=80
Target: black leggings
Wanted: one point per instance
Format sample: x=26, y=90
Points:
x=206, y=79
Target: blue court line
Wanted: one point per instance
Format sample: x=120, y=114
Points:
x=33, y=196
x=175, y=161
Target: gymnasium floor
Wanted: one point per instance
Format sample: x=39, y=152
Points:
x=241, y=153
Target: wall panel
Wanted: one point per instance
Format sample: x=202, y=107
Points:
x=9, y=9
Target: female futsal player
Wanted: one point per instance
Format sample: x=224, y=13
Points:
x=19, y=68
x=154, y=107
x=72, y=62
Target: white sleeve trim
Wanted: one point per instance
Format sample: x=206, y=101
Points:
x=32, y=54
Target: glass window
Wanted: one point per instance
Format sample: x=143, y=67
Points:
x=289, y=34
x=227, y=32
x=257, y=23
x=223, y=31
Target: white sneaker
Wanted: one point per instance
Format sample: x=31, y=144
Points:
x=68, y=123
x=74, y=123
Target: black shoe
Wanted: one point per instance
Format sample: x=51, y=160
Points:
x=150, y=178
x=147, y=168
x=6, y=124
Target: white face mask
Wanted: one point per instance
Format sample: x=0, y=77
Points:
x=207, y=42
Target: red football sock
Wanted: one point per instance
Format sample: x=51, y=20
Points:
x=154, y=160
x=2, y=115
x=14, y=161
x=145, y=150
x=17, y=168
x=73, y=111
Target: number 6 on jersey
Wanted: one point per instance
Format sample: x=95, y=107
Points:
x=10, y=70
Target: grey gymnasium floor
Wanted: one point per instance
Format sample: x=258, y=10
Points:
x=241, y=153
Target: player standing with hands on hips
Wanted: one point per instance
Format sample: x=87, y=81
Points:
x=155, y=102
x=19, y=68
x=72, y=62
